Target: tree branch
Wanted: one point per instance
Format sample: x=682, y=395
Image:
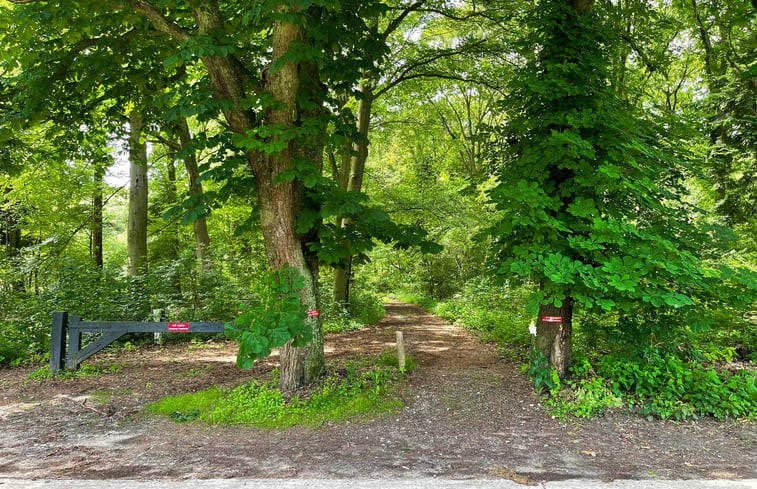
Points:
x=404, y=73
x=442, y=76
x=397, y=21
x=159, y=21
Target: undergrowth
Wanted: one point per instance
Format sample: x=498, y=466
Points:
x=351, y=391
x=43, y=373
x=654, y=384
x=365, y=308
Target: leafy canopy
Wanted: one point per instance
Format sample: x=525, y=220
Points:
x=591, y=197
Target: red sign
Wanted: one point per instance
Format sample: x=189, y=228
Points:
x=314, y=313
x=551, y=319
x=178, y=327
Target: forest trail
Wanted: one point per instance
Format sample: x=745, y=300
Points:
x=468, y=414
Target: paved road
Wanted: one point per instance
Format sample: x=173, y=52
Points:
x=369, y=484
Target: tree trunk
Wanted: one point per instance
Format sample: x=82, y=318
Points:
x=342, y=277
x=277, y=202
x=200, y=226
x=554, y=327
x=96, y=245
x=354, y=183
x=174, y=247
x=136, y=240
x=554, y=335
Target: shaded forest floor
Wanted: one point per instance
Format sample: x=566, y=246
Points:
x=468, y=414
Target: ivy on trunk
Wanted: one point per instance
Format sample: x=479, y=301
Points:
x=591, y=198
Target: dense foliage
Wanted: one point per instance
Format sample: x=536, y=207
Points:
x=545, y=155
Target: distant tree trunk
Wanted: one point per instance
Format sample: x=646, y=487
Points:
x=10, y=235
x=354, y=183
x=200, y=226
x=96, y=245
x=554, y=330
x=342, y=276
x=171, y=191
x=174, y=248
x=136, y=239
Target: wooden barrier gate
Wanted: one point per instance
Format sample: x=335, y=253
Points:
x=66, y=349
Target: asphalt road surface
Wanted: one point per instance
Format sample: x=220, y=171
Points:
x=371, y=484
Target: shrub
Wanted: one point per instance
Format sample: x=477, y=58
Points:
x=657, y=385
x=365, y=308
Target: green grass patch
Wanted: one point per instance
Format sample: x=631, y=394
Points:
x=349, y=392
x=388, y=358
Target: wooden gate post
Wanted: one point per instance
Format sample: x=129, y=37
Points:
x=58, y=341
x=74, y=344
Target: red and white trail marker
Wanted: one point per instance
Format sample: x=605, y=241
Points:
x=551, y=319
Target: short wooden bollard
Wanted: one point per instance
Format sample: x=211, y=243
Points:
x=400, y=351
x=157, y=315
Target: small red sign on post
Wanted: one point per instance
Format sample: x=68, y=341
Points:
x=551, y=319
x=178, y=327
x=314, y=313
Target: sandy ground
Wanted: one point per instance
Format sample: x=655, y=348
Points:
x=468, y=414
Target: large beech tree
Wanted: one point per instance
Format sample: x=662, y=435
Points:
x=266, y=68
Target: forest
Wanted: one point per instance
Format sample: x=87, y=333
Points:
x=575, y=181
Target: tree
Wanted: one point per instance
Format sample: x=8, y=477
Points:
x=593, y=207
x=726, y=36
x=267, y=70
x=202, y=238
x=427, y=40
x=136, y=242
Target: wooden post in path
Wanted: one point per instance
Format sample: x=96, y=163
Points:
x=400, y=351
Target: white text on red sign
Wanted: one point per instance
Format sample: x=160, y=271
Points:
x=178, y=327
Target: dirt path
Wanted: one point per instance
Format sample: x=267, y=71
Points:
x=468, y=414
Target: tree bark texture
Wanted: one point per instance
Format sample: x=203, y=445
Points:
x=554, y=330
x=279, y=203
x=200, y=226
x=136, y=239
